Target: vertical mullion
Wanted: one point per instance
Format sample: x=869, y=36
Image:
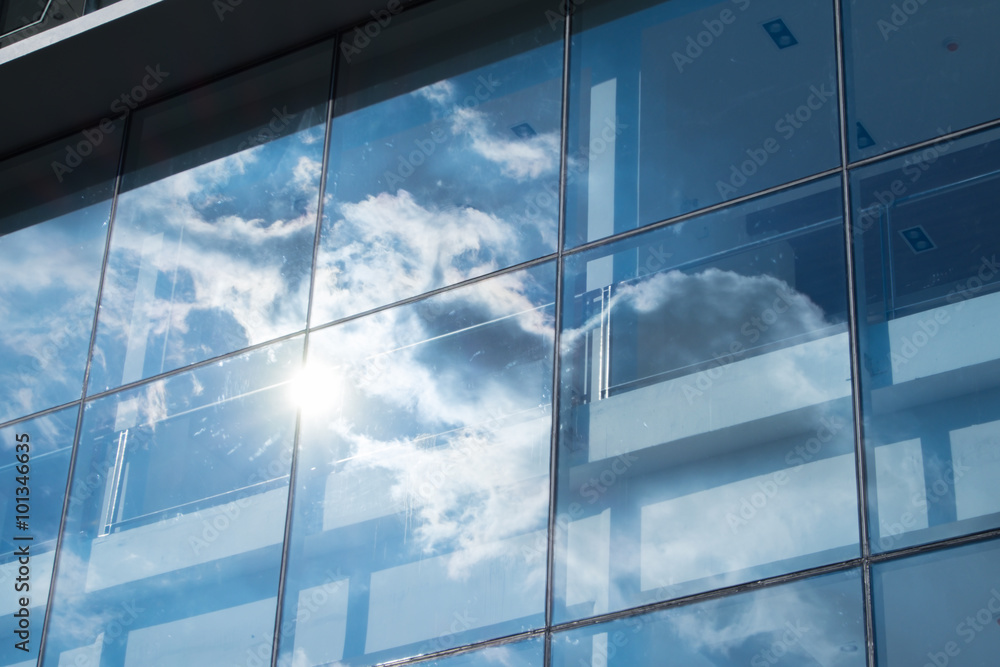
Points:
x=292, y=477
x=861, y=477
x=116, y=190
x=554, y=437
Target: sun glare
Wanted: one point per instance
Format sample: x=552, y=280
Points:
x=315, y=389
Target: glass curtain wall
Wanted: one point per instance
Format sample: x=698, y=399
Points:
x=521, y=333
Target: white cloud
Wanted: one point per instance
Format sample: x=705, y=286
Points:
x=389, y=247
x=520, y=159
x=441, y=93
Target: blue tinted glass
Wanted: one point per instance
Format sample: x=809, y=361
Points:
x=678, y=105
x=705, y=417
x=917, y=69
x=177, y=510
x=939, y=609
x=34, y=488
x=522, y=654
x=213, y=235
x=422, y=480
x=444, y=161
x=817, y=622
x=53, y=229
x=928, y=284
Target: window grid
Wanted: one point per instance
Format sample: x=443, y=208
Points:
x=844, y=171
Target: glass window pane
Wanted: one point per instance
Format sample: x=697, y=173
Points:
x=37, y=492
x=816, y=622
x=444, y=161
x=938, y=609
x=705, y=418
x=213, y=235
x=679, y=105
x=421, y=503
x=929, y=297
x=53, y=229
x=172, y=544
x=918, y=69
x=528, y=653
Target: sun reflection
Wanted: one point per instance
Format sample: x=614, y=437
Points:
x=315, y=389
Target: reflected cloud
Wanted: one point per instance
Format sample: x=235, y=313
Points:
x=208, y=261
x=462, y=437
x=710, y=307
x=48, y=290
x=521, y=159
x=739, y=375
x=441, y=93
x=417, y=248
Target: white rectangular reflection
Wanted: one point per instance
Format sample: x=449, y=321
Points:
x=426, y=600
x=748, y=523
x=975, y=452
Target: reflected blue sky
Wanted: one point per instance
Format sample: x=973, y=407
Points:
x=522, y=654
x=146, y=558
x=705, y=429
x=813, y=623
x=49, y=440
x=209, y=260
x=929, y=292
x=939, y=608
x=49, y=274
x=451, y=180
x=423, y=477
x=211, y=248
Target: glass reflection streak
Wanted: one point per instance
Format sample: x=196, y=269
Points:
x=422, y=492
x=705, y=417
x=172, y=544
